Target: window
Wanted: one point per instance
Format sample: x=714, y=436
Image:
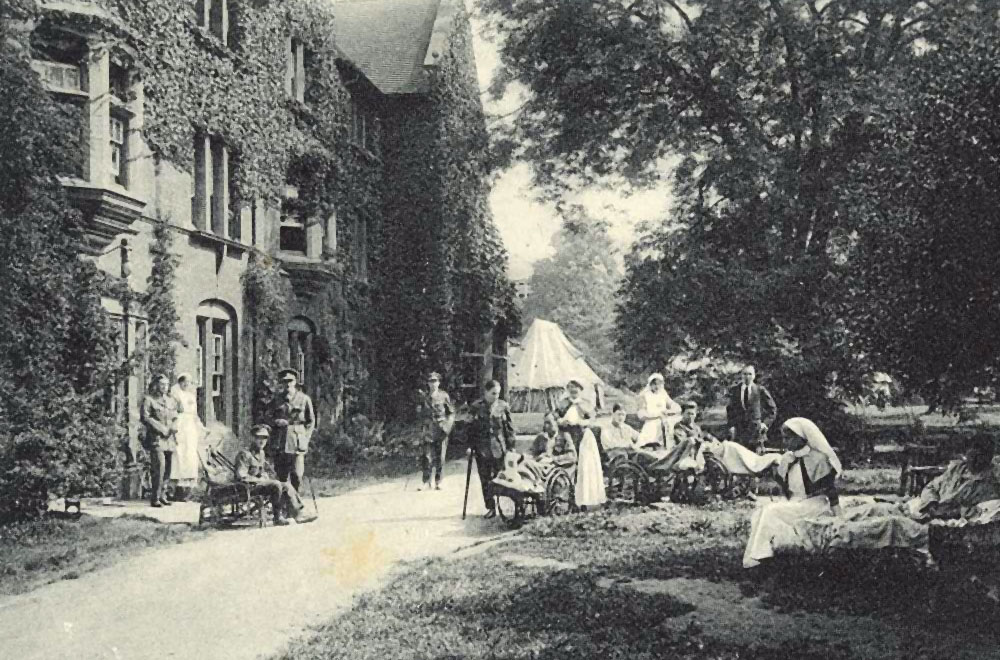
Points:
x=59, y=77
x=118, y=82
x=218, y=357
x=292, y=232
x=210, y=203
x=359, y=249
x=364, y=127
x=119, y=129
x=214, y=16
x=295, y=76
x=300, y=337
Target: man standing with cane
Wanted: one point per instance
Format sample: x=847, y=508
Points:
x=439, y=418
x=490, y=434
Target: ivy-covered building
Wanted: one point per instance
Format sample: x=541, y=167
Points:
x=272, y=183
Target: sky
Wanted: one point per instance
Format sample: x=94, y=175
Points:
x=528, y=224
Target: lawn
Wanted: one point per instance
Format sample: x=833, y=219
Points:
x=665, y=582
x=33, y=554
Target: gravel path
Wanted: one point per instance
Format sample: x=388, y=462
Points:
x=244, y=593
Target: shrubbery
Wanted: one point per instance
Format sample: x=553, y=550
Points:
x=57, y=357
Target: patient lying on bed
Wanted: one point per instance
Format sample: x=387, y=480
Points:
x=957, y=493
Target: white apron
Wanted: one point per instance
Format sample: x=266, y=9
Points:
x=589, y=475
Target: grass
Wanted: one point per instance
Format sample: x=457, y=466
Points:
x=33, y=554
x=661, y=583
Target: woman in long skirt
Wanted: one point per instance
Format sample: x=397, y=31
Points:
x=189, y=432
x=806, y=473
x=589, y=474
x=658, y=413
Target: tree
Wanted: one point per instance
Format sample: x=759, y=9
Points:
x=770, y=104
x=57, y=358
x=929, y=247
x=576, y=288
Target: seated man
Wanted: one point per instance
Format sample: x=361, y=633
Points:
x=689, y=452
x=251, y=468
x=553, y=446
x=619, y=436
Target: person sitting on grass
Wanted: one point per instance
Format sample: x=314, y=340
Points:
x=251, y=468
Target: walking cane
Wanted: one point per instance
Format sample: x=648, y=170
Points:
x=312, y=492
x=468, y=478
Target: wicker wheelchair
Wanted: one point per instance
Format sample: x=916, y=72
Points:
x=552, y=495
x=643, y=478
x=225, y=500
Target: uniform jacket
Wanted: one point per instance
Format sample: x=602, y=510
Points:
x=159, y=416
x=437, y=409
x=760, y=407
x=491, y=430
x=560, y=447
x=298, y=410
x=251, y=466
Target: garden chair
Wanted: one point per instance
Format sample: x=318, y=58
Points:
x=921, y=464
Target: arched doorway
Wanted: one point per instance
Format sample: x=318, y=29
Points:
x=301, y=332
x=218, y=363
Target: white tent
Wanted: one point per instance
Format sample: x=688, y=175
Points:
x=542, y=365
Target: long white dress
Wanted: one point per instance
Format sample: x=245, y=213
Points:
x=773, y=523
x=657, y=429
x=184, y=467
x=589, y=474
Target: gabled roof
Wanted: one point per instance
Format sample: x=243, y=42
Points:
x=388, y=40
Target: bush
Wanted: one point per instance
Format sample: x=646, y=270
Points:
x=57, y=351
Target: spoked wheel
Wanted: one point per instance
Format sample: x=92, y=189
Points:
x=628, y=484
x=716, y=477
x=683, y=488
x=558, y=494
x=511, y=510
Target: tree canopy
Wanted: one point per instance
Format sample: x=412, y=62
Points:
x=801, y=158
x=576, y=286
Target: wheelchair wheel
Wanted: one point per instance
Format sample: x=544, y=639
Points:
x=511, y=510
x=716, y=477
x=558, y=494
x=628, y=484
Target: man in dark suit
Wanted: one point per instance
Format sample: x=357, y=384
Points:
x=490, y=434
x=750, y=411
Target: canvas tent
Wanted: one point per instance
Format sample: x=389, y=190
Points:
x=540, y=367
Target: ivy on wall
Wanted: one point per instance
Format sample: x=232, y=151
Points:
x=437, y=264
x=441, y=273
x=158, y=302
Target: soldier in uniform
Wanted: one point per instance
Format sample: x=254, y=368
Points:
x=439, y=418
x=491, y=432
x=293, y=420
x=251, y=468
x=159, y=416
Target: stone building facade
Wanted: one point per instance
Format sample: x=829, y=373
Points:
x=295, y=184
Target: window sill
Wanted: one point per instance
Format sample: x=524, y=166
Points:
x=365, y=152
x=211, y=41
x=70, y=94
x=110, y=210
x=221, y=243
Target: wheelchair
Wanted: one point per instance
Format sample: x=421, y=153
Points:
x=550, y=495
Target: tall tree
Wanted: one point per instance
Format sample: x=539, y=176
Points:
x=769, y=103
x=576, y=287
x=57, y=358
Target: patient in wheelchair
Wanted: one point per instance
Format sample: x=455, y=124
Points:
x=251, y=468
x=550, y=449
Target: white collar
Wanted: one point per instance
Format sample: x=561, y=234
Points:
x=802, y=452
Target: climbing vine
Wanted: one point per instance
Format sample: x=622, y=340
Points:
x=158, y=302
x=442, y=267
x=437, y=270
